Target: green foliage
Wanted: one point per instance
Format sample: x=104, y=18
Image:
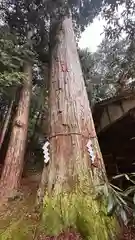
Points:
x=11, y=60
x=120, y=19
x=97, y=69
x=8, y=79
x=104, y=69
x=130, y=191
x=10, y=56
x=121, y=25
x=22, y=16
x=121, y=202
x=116, y=202
x=34, y=16
x=87, y=63
x=17, y=230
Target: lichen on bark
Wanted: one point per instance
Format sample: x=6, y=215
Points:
x=79, y=210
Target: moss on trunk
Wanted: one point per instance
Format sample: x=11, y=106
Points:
x=72, y=174
x=81, y=211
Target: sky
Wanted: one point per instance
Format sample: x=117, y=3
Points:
x=93, y=35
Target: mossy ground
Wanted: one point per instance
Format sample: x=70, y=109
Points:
x=18, y=219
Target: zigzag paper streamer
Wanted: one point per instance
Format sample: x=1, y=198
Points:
x=46, y=152
x=91, y=151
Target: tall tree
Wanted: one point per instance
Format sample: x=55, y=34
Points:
x=13, y=166
x=82, y=11
x=20, y=21
x=73, y=174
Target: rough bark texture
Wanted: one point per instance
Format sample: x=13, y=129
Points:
x=72, y=173
x=13, y=166
x=71, y=123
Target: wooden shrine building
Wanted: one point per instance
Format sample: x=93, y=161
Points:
x=115, y=125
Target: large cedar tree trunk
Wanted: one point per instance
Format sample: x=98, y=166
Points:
x=71, y=122
x=13, y=166
x=68, y=202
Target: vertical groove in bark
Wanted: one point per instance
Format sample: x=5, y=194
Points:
x=13, y=166
x=71, y=122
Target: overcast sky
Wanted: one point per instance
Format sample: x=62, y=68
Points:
x=93, y=36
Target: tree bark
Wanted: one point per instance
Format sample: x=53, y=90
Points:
x=42, y=186
x=6, y=123
x=12, y=171
x=72, y=173
x=71, y=122
x=44, y=124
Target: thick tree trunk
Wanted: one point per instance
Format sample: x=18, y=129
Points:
x=71, y=123
x=6, y=123
x=13, y=166
x=73, y=174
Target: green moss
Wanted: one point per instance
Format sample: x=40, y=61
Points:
x=22, y=229
x=19, y=220
x=81, y=212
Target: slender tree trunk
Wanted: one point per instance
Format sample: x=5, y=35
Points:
x=44, y=124
x=12, y=171
x=5, y=144
x=6, y=123
x=32, y=138
x=42, y=186
x=72, y=174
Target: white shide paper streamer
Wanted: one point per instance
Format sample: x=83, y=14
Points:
x=46, y=152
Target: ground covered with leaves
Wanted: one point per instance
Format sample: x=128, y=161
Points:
x=19, y=219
